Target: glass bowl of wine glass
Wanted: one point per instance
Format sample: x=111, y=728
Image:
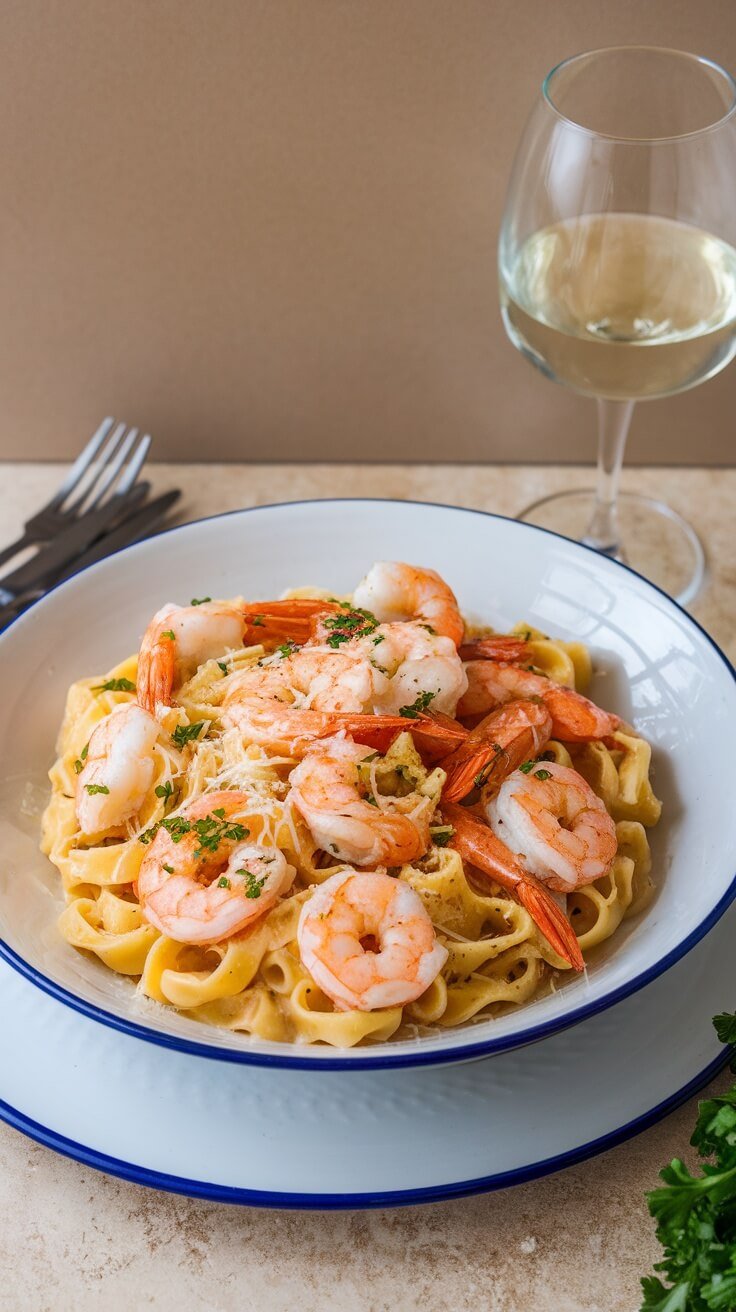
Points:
x=617, y=269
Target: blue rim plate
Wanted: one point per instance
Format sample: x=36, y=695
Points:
x=176, y=1184
x=397, y=1055
x=378, y=1139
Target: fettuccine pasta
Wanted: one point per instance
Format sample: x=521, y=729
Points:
x=310, y=880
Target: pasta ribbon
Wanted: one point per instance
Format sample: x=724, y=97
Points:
x=254, y=982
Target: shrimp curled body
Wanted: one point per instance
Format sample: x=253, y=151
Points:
x=368, y=942
x=557, y=826
x=395, y=591
x=118, y=769
x=178, y=640
x=332, y=794
x=575, y=719
x=288, y=702
x=197, y=895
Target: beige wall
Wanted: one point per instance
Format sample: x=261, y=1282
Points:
x=266, y=228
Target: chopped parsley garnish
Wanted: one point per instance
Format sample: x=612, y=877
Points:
x=115, y=685
x=287, y=649
x=169, y=633
x=210, y=831
x=164, y=791
x=252, y=885
x=370, y=799
x=222, y=666
x=350, y=623
x=169, y=869
x=542, y=774
x=83, y=753
x=96, y=788
x=186, y=733
x=258, y=621
x=527, y=766
x=429, y=629
x=442, y=835
x=223, y=882
x=199, y=601
x=416, y=708
x=379, y=638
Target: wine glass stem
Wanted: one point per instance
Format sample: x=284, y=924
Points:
x=614, y=418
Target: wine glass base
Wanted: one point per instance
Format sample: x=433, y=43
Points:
x=657, y=542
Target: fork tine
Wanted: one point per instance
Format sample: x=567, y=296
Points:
x=112, y=469
x=81, y=464
x=101, y=463
x=135, y=465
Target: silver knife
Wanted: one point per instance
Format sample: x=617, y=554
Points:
x=68, y=544
x=135, y=526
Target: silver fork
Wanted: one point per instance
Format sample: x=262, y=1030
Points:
x=109, y=464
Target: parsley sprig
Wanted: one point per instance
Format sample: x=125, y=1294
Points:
x=210, y=831
x=114, y=685
x=252, y=885
x=348, y=623
x=186, y=733
x=696, y=1213
x=527, y=766
x=418, y=706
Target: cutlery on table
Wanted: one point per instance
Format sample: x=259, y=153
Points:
x=137, y=524
x=68, y=544
x=99, y=508
x=108, y=465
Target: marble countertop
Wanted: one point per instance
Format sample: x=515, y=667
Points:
x=578, y=1241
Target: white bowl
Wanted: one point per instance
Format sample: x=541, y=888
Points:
x=655, y=666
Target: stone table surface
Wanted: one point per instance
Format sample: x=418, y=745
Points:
x=72, y=1239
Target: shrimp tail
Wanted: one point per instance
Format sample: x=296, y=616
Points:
x=550, y=921
x=155, y=677
x=292, y=620
x=436, y=734
x=478, y=845
x=495, y=747
x=499, y=647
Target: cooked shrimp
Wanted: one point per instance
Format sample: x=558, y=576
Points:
x=178, y=639
x=575, y=719
x=288, y=702
x=422, y=668
x=368, y=942
x=293, y=618
x=495, y=747
x=345, y=817
x=499, y=647
x=480, y=847
x=200, y=881
x=560, y=829
x=395, y=591
x=118, y=769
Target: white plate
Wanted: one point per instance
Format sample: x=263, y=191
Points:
x=655, y=666
x=364, y=1138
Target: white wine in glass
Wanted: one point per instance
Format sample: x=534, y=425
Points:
x=617, y=268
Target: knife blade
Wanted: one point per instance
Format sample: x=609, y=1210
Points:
x=68, y=544
x=135, y=526
x=139, y=524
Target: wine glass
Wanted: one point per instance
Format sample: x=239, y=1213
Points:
x=617, y=269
